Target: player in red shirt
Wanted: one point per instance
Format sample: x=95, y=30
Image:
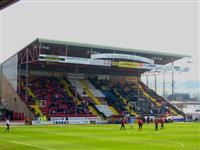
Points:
x=140, y=123
x=162, y=123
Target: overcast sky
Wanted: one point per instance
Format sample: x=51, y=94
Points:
x=159, y=26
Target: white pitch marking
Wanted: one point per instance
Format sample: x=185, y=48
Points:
x=33, y=145
x=175, y=142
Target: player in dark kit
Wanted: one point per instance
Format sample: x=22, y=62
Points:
x=156, y=124
x=140, y=123
x=148, y=120
x=122, y=124
x=162, y=123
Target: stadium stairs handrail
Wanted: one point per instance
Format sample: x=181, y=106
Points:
x=172, y=105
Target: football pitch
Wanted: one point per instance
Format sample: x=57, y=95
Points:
x=175, y=136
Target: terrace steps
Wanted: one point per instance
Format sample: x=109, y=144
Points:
x=70, y=92
x=114, y=111
x=154, y=100
x=125, y=101
x=66, y=87
x=30, y=92
x=89, y=93
x=36, y=106
x=38, y=112
x=94, y=111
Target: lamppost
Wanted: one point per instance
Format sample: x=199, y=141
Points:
x=172, y=79
x=76, y=88
x=164, y=84
x=147, y=82
x=155, y=76
x=173, y=69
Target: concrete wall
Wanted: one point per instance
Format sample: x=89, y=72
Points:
x=0, y=80
x=10, y=70
x=12, y=100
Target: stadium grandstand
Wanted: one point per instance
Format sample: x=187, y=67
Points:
x=58, y=80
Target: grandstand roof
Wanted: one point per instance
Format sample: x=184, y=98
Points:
x=111, y=48
x=159, y=57
x=6, y=3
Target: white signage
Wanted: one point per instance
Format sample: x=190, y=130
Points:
x=74, y=60
x=99, y=62
x=122, y=56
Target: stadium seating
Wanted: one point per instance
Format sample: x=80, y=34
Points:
x=105, y=110
x=88, y=92
x=96, y=92
x=111, y=98
x=49, y=94
x=62, y=97
x=18, y=116
x=77, y=87
x=129, y=91
x=144, y=103
x=163, y=102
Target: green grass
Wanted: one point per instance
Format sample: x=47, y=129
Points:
x=175, y=136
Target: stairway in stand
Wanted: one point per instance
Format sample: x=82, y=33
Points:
x=144, y=88
x=98, y=97
x=38, y=112
x=66, y=87
x=125, y=101
x=69, y=92
x=36, y=107
x=114, y=111
x=89, y=93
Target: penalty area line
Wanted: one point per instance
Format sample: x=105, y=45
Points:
x=27, y=144
x=175, y=142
